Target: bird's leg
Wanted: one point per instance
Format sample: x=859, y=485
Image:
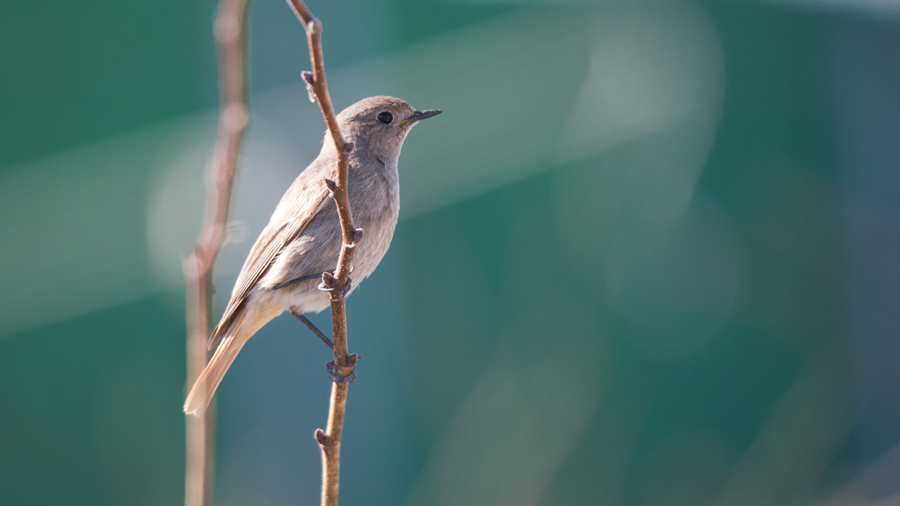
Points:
x=330, y=365
x=312, y=327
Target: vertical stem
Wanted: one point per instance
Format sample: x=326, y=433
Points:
x=330, y=443
x=199, y=429
x=233, y=115
x=330, y=439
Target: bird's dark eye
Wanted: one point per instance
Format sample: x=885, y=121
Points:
x=385, y=117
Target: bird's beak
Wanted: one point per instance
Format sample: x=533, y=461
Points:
x=420, y=115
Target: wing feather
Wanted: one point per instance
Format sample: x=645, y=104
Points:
x=286, y=226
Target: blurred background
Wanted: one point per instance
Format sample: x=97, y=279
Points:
x=647, y=256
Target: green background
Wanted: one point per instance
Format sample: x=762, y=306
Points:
x=647, y=255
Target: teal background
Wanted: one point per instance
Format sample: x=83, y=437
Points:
x=647, y=255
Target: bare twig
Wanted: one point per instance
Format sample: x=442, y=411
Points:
x=344, y=364
x=233, y=117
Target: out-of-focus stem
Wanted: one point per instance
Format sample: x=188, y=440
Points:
x=233, y=117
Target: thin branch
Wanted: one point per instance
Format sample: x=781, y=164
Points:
x=344, y=364
x=233, y=117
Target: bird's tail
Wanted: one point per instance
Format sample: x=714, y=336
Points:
x=209, y=379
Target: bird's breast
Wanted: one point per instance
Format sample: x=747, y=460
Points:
x=376, y=207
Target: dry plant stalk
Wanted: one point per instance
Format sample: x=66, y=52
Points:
x=330, y=439
x=233, y=117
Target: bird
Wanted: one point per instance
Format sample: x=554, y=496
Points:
x=303, y=237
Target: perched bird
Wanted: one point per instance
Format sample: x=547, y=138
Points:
x=303, y=237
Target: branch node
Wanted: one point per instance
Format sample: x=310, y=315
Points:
x=235, y=117
x=348, y=147
x=310, y=85
x=190, y=266
x=314, y=27
x=357, y=235
x=321, y=438
x=227, y=29
x=332, y=186
x=328, y=282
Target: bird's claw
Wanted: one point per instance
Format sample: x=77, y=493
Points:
x=345, y=290
x=344, y=376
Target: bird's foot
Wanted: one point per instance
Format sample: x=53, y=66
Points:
x=345, y=290
x=327, y=285
x=347, y=373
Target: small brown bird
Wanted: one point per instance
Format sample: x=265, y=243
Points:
x=303, y=237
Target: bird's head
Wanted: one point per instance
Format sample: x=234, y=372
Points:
x=380, y=124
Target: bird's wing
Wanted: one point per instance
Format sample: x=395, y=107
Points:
x=284, y=228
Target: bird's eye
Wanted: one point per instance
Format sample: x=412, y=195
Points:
x=385, y=117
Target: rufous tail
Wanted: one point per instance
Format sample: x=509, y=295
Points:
x=209, y=379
